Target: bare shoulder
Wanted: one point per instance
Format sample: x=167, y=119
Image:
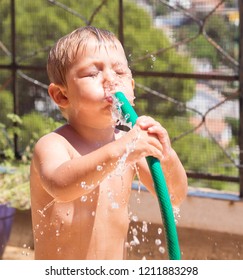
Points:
x=53, y=142
x=50, y=139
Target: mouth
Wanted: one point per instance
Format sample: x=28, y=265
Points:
x=109, y=99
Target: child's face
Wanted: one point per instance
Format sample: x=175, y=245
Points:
x=96, y=74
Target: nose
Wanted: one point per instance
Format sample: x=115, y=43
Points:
x=109, y=82
x=109, y=75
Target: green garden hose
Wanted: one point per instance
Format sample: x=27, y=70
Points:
x=159, y=185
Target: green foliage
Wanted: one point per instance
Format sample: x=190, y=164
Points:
x=234, y=125
x=219, y=30
x=6, y=101
x=158, y=8
x=14, y=187
x=39, y=24
x=35, y=125
x=200, y=48
x=7, y=134
x=14, y=174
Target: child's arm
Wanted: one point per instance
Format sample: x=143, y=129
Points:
x=63, y=175
x=173, y=170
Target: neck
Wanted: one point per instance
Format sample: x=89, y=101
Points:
x=96, y=137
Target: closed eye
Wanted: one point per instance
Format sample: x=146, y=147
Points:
x=93, y=74
x=122, y=71
x=89, y=74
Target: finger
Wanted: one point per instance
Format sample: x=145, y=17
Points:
x=145, y=122
x=163, y=137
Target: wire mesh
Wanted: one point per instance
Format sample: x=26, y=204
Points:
x=184, y=56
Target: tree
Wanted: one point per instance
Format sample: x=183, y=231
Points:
x=218, y=29
x=39, y=24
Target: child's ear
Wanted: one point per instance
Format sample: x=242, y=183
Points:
x=133, y=84
x=58, y=95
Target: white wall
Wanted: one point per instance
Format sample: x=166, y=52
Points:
x=206, y=211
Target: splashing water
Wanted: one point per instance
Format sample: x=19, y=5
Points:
x=83, y=198
x=99, y=168
x=26, y=250
x=84, y=186
x=121, y=120
x=158, y=242
x=145, y=227
x=42, y=212
x=135, y=241
x=161, y=249
x=114, y=205
x=116, y=113
x=121, y=163
x=176, y=212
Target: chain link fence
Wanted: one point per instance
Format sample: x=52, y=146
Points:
x=185, y=59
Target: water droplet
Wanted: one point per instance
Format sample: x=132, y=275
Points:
x=127, y=116
x=41, y=213
x=93, y=213
x=161, y=250
x=83, y=184
x=83, y=198
x=134, y=218
x=134, y=232
x=153, y=57
x=157, y=242
x=135, y=241
x=176, y=212
x=109, y=193
x=159, y=231
x=145, y=227
x=99, y=168
x=57, y=233
x=114, y=205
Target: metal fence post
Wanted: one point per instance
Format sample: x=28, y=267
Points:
x=14, y=71
x=241, y=96
x=120, y=24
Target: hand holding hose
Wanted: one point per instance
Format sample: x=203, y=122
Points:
x=155, y=129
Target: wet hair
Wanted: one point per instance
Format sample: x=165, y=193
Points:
x=64, y=52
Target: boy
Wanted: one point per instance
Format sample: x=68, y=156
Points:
x=79, y=204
